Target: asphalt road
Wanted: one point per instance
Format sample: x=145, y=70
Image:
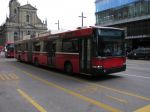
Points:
x=26, y=88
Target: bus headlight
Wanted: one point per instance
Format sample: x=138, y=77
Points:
x=97, y=67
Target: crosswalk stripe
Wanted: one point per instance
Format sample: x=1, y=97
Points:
x=8, y=76
x=13, y=76
x=1, y=77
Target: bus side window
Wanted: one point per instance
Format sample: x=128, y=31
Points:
x=45, y=47
x=36, y=46
x=50, y=46
x=70, y=45
x=58, y=45
x=75, y=44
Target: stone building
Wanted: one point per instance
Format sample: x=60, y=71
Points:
x=22, y=21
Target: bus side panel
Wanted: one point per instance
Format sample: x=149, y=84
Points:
x=17, y=55
x=72, y=58
x=23, y=56
x=40, y=57
x=43, y=59
x=35, y=57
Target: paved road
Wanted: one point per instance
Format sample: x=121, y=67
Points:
x=25, y=88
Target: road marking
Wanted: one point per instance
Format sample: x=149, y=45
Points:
x=108, y=88
x=144, y=109
x=33, y=102
x=8, y=76
x=2, y=77
x=135, y=76
x=124, y=92
x=117, y=99
x=87, y=89
x=13, y=76
x=87, y=99
x=100, y=86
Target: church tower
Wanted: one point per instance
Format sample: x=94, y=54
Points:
x=13, y=10
x=22, y=21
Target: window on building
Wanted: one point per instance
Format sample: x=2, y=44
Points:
x=28, y=32
x=15, y=36
x=27, y=18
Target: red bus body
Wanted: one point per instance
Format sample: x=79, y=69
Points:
x=84, y=55
x=1, y=48
x=9, y=50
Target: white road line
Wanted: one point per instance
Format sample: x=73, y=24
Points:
x=138, y=68
x=122, y=74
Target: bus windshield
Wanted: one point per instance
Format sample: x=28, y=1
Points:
x=10, y=47
x=110, y=42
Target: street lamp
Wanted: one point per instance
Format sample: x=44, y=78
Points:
x=82, y=17
x=58, y=24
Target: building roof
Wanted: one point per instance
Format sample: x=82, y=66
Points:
x=28, y=6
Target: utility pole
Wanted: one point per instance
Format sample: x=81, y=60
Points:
x=82, y=17
x=58, y=24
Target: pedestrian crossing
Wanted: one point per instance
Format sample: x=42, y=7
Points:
x=8, y=76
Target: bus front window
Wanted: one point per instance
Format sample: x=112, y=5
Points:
x=110, y=42
x=10, y=47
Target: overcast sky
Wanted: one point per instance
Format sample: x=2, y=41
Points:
x=67, y=11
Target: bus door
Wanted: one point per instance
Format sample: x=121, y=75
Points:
x=51, y=48
x=29, y=44
x=85, y=55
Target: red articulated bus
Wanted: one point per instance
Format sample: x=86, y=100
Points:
x=91, y=51
x=9, y=50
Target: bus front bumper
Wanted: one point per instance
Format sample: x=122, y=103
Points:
x=103, y=71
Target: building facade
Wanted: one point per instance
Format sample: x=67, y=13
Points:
x=132, y=15
x=22, y=21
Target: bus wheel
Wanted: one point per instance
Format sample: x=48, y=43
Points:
x=36, y=62
x=68, y=68
x=19, y=59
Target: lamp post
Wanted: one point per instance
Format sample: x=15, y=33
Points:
x=58, y=24
x=82, y=17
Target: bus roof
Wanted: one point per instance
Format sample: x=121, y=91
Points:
x=103, y=27
x=9, y=42
x=85, y=31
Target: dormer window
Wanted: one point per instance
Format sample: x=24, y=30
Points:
x=27, y=18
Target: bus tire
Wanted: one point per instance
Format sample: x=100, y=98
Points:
x=19, y=58
x=68, y=68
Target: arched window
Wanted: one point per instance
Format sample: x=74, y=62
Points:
x=28, y=32
x=27, y=18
